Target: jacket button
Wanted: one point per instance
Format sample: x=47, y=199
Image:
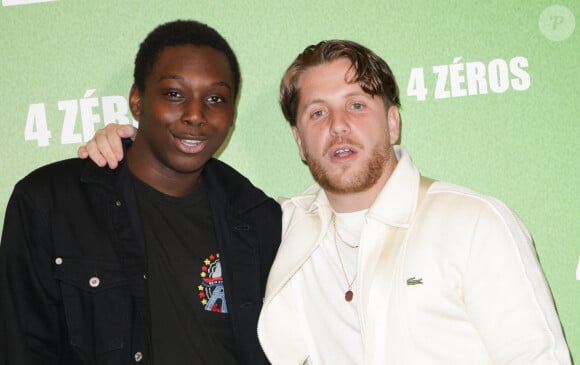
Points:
x=94, y=282
x=138, y=356
x=118, y=203
x=58, y=261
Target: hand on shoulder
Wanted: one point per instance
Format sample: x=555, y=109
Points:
x=106, y=147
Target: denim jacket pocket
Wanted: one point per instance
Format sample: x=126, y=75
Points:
x=97, y=303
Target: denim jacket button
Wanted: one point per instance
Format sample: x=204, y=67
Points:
x=138, y=356
x=94, y=281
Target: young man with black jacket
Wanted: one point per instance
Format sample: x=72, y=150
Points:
x=161, y=261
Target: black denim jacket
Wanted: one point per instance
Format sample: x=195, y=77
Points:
x=73, y=280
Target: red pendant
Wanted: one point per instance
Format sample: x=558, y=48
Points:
x=348, y=295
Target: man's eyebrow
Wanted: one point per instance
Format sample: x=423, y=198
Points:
x=348, y=95
x=221, y=83
x=358, y=93
x=181, y=78
x=314, y=101
x=171, y=77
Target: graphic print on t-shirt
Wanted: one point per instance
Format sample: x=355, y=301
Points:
x=211, y=289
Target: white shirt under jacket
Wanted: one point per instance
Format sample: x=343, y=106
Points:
x=479, y=294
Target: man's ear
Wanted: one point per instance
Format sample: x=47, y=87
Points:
x=394, y=123
x=298, y=141
x=135, y=102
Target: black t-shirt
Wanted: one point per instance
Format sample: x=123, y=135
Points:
x=189, y=316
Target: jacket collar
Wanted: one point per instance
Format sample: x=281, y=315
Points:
x=105, y=176
x=396, y=203
x=230, y=187
x=102, y=175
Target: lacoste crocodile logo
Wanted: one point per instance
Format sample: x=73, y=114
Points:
x=414, y=281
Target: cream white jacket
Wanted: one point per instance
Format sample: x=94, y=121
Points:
x=455, y=281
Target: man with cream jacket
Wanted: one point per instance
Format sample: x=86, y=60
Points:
x=379, y=265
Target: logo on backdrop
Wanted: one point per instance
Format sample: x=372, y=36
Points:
x=557, y=23
x=460, y=78
x=89, y=112
x=23, y=2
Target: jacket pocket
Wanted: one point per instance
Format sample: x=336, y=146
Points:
x=97, y=303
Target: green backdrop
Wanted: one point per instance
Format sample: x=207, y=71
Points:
x=489, y=91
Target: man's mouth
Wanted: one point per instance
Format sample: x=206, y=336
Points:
x=191, y=142
x=342, y=152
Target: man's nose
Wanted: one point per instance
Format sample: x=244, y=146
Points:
x=194, y=113
x=339, y=123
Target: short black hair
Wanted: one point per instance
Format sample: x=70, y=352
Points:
x=176, y=33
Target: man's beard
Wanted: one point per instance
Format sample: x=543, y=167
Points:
x=367, y=175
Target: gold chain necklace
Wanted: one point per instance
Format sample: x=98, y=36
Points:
x=337, y=234
x=348, y=295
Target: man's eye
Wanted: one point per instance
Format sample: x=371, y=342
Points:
x=357, y=106
x=216, y=99
x=318, y=114
x=173, y=94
